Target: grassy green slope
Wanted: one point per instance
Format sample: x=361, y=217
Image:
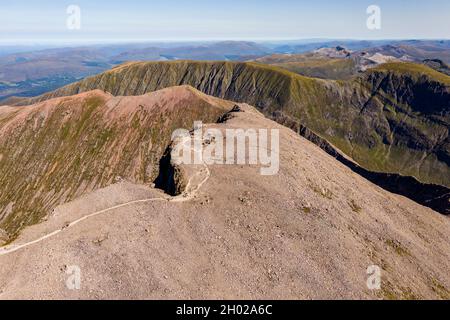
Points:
x=337, y=69
x=314, y=65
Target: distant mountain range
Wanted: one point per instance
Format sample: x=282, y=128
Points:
x=341, y=63
x=30, y=73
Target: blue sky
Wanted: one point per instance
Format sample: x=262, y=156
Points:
x=113, y=20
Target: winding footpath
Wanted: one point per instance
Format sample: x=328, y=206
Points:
x=187, y=195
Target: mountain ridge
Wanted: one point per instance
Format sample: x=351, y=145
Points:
x=371, y=118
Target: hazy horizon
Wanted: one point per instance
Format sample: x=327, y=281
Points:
x=201, y=20
x=94, y=42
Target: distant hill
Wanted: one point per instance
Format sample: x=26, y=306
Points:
x=417, y=50
x=438, y=65
x=226, y=50
x=315, y=64
x=414, y=50
x=37, y=72
x=33, y=73
x=339, y=63
x=30, y=71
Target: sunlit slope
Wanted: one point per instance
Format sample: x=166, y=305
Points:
x=313, y=65
x=54, y=151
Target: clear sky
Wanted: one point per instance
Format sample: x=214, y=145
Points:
x=127, y=20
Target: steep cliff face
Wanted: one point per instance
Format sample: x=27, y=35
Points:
x=417, y=89
x=433, y=196
x=54, y=151
x=394, y=118
x=414, y=121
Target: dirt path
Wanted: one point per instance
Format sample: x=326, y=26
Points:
x=11, y=249
x=187, y=195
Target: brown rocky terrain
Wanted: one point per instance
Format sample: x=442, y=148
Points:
x=308, y=232
x=57, y=150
